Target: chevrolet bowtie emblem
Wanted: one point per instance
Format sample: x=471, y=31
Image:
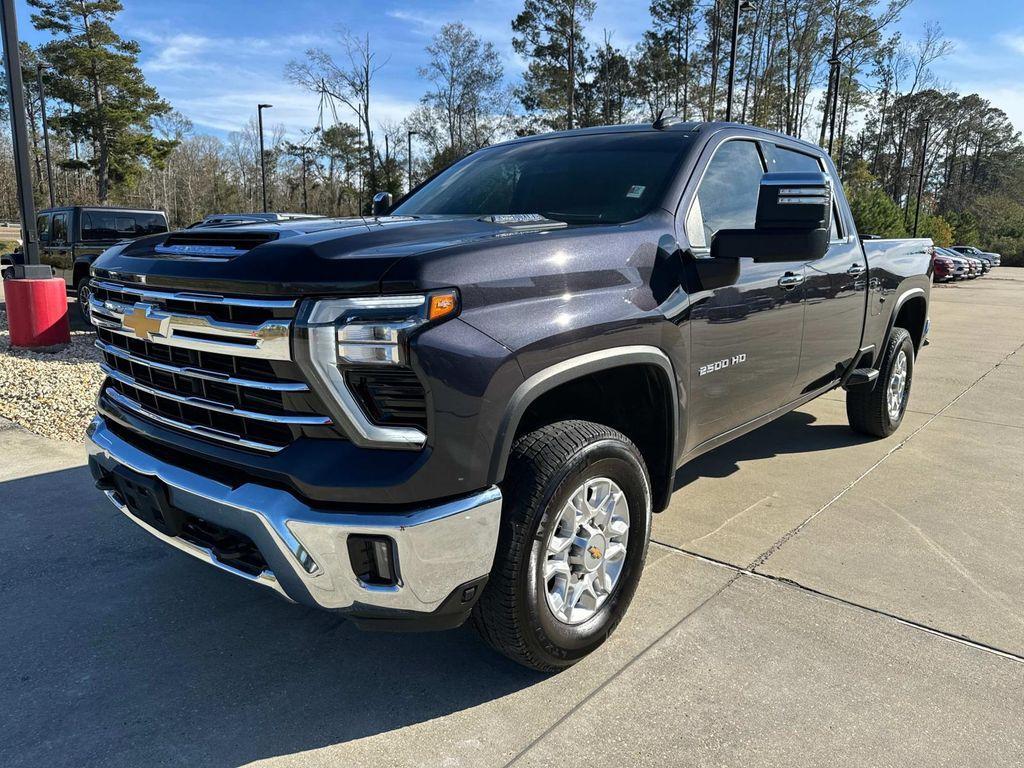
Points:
x=594, y=552
x=145, y=323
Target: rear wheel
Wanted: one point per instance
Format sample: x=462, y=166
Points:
x=879, y=411
x=572, y=544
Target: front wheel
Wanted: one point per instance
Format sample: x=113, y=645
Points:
x=82, y=294
x=879, y=411
x=572, y=544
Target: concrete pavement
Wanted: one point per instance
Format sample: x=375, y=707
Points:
x=812, y=598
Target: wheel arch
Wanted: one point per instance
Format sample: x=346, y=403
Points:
x=80, y=270
x=910, y=311
x=582, y=387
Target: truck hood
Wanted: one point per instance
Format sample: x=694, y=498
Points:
x=318, y=256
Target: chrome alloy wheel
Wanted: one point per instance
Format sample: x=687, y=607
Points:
x=84, y=292
x=586, y=550
x=897, y=386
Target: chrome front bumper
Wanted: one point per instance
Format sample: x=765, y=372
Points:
x=438, y=549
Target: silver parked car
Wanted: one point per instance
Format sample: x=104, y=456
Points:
x=970, y=250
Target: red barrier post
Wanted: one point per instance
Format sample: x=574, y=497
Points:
x=37, y=312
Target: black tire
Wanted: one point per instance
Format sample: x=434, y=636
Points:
x=545, y=467
x=868, y=410
x=82, y=293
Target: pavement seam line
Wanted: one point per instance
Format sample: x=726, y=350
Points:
x=615, y=675
x=984, y=421
x=768, y=553
x=793, y=584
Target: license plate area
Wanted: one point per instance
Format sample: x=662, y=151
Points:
x=146, y=498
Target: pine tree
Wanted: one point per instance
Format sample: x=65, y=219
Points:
x=550, y=34
x=96, y=71
x=873, y=210
x=674, y=24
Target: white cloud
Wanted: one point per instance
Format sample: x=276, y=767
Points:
x=180, y=52
x=490, y=21
x=217, y=82
x=294, y=109
x=1015, y=42
x=423, y=25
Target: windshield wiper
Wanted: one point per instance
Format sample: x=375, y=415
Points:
x=573, y=218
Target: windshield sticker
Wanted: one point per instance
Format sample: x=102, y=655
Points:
x=636, y=190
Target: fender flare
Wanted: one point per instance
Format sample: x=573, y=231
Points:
x=574, y=368
x=78, y=265
x=904, y=297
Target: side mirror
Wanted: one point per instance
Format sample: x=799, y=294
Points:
x=794, y=215
x=794, y=201
x=770, y=245
x=381, y=203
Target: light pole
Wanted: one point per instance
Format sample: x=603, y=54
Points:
x=46, y=134
x=739, y=7
x=37, y=305
x=305, y=199
x=19, y=133
x=409, y=158
x=830, y=108
x=920, y=178
x=263, y=157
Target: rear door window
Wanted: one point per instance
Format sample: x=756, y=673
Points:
x=118, y=225
x=727, y=195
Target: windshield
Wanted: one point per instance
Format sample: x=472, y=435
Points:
x=602, y=178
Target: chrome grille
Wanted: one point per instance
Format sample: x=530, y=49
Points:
x=268, y=340
x=185, y=361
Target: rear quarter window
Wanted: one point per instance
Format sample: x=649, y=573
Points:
x=790, y=161
x=117, y=225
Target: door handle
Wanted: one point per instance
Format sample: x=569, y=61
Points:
x=856, y=269
x=790, y=280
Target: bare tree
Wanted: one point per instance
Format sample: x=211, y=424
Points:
x=348, y=82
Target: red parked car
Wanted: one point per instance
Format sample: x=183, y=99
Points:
x=959, y=268
x=943, y=268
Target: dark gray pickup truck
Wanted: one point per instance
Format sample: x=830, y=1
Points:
x=470, y=405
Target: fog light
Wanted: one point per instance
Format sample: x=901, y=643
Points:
x=373, y=559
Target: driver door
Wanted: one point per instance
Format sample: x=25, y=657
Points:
x=744, y=338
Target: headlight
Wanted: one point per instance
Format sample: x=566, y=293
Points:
x=366, y=331
x=374, y=329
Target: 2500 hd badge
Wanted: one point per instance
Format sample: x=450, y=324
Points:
x=720, y=364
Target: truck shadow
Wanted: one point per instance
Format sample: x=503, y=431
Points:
x=796, y=432
x=146, y=656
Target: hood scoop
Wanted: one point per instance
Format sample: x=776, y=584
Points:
x=522, y=221
x=211, y=245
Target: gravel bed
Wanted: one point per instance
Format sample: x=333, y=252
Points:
x=50, y=393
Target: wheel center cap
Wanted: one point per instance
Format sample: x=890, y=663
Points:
x=593, y=553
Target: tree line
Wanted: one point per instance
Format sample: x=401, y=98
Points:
x=830, y=71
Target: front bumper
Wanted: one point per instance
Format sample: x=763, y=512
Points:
x=443, y=553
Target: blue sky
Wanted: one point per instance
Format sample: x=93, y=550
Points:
x=215, y=60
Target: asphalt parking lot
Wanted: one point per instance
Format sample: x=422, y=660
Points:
x=812, y=598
